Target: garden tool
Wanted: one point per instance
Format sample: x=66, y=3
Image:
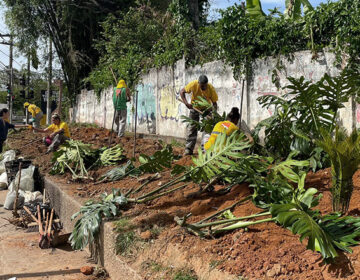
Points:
x=112, y=126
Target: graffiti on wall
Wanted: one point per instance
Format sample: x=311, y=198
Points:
x=146, y=114
x=170, y=107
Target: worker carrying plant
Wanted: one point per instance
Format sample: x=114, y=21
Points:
x=35, y=112
x=121, y=95
x=59, y=133
x=227, y=127
x=198, y=88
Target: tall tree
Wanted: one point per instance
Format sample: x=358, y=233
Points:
x=72, y=25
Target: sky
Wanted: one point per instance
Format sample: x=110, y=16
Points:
x=215, y=4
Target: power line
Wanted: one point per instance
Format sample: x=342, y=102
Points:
x=12, y=59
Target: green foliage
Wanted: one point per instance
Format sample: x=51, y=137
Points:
x=119, y=173
x=293, y=8
x=125, y=237
x=220, y=158
x=209, y=117
x=253, y=9
x=87, y=227
x=246, y=38
x=72, y=27
x=111, y=156
x=185, y=275
x=158, y=161
x=74, y=156
x=325, y=233
x=149, y=164
x=344, y=154
x=150, y=37
x=306, y=108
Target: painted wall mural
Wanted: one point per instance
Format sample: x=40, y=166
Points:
x=147, y=107
x=170, y=107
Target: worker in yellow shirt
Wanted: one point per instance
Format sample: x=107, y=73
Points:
x=227, y=127
x=59, y=133
x=35, y=112
x=200, y=87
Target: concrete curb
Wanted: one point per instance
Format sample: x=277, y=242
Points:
x=170, y=255
x=65, y=206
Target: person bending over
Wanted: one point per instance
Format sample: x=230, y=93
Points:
x=228, y=127
x=35, y=112
x=203, y=88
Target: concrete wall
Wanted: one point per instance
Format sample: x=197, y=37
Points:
x=159, y=110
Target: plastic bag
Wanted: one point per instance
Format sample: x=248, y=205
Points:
x=32, y=197
x=10, y=199
x=7, y=156
x=3, y=181
x=26, y=180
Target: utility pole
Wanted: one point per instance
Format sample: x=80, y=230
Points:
x=28, y=85
x=48, y=103
x=60, y=95
x=11, y=79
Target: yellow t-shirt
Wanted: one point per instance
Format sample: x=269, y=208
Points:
x=62, y=125
x=194, y=87
x=34, y=110
x=221, y=127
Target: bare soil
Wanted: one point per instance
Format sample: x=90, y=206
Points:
x=264, y=251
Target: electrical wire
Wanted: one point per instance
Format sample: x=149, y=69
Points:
x=12, y=59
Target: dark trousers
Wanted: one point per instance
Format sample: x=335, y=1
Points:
x=191, y=133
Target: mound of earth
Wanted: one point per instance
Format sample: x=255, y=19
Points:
x=264, y=251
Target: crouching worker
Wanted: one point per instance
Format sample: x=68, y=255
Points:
x=35, y=112
x=59, y=133
x=227, y=127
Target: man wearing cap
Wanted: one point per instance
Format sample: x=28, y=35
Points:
x=59, y=133
x=203, y=88
x=120, y=97
x=35, y=112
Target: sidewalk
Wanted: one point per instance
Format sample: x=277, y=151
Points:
x=21, y=257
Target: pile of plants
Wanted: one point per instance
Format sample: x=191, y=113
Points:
x=78, y=158
x=209, y=116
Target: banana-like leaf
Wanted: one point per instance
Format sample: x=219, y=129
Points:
x=293, y=8
x=87, y=227
x=254, y=9
x=111, y=156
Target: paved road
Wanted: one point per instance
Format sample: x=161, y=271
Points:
x=21, y=257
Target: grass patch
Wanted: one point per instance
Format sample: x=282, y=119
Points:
x=178, y=144
x=185, y=274
x=126, y=237
x=215, y=263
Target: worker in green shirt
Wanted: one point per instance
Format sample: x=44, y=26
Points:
x=120, y=97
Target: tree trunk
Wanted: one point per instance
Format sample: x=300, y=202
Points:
x=194, y=13
x=341, y=194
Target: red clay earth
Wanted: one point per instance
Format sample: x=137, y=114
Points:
x=265, y=251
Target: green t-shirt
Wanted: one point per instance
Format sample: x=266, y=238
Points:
x=120, y=101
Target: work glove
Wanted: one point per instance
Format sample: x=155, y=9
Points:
x=30, y=127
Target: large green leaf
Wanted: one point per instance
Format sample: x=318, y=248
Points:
x=221, y=157
x=293, y=8
x=300, y=220
x=254, y=9
x=87, y=227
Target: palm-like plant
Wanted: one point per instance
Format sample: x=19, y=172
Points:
x=344, y=153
